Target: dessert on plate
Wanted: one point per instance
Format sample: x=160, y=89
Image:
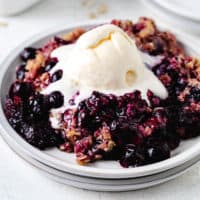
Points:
x=121, y=91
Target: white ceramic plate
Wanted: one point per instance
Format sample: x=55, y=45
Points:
x=104, y=184
x=187, y=9
x=186, y=24
x=114, y=184
x=11, y=7
x=118, y=185
x=54, y=158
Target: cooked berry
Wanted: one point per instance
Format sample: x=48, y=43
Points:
x=159, y=45
x=35, y=107
x=50, y=64
x=195, y=94
x=56, y=75
x=20, y=72
x=133, y=156
x=115, y=154
x=157, y=153
x=28, y=53
x=188, y=121
x=21, y=89
x=13, y=113
x=40, y=135
x=55, y=100
x=61, y=41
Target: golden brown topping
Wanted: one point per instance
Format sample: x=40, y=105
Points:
x=72, y=135
x=149, y=27
x=107, y=143
x=194, y=65
x=73, y=35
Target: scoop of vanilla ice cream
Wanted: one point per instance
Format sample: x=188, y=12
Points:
x=106, y=58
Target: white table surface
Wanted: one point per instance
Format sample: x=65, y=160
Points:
x=19, y=180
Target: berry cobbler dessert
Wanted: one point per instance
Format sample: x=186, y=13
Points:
x=121, y=91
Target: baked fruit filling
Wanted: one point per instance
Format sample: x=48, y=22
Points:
x=105, y=126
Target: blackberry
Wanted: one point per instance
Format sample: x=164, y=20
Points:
x=13, y=113
x=188, y=121
x=41, y=136
x=35, y=108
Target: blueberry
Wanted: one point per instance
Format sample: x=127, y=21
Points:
x=133, y=156
x=157, y=153
x=21, y=89
x=56, y=75
x=50, y=64
x=55, y=99
x=28, y=53
x=20, y=72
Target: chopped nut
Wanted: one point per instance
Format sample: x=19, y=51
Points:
x=82, y=159
x=72, y=135
x=104, y=136
x=165, y=78
x=73, y=35
x=149, y=27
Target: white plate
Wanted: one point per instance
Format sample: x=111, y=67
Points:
x=105, y=184
x=11, y=7
x=115, y=184
x=65, y=162
x=187, y=9
x=171, y=18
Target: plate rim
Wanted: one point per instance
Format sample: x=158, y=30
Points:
x=180, y=13
x=86, y=184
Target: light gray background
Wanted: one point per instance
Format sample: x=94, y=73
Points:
x=19, y=180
